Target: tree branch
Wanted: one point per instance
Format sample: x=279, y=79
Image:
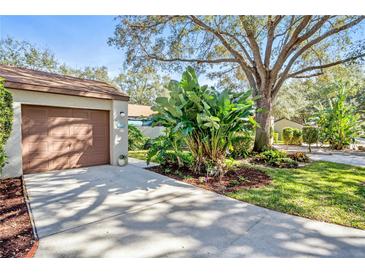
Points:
x=310, y=44
x=234, y=52
x=271, y=26
x=198, y=61
x=308, y=76
x=289, y=45
x=310, y=68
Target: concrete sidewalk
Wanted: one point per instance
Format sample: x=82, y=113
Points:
x=109, y=211
x=355, y=158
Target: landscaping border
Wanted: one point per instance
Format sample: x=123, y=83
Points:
x=33, y=250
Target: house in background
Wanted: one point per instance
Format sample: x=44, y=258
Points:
x=282, y=123
x=140, y=117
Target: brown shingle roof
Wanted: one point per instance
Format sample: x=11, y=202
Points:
x=139, y=111
x=34, y=80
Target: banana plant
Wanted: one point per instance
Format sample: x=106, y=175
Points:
x=338, y=120
x=205, y=119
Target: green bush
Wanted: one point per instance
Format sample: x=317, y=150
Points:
x=241, y=145
x=136, y=140
x=310, y=136
x=6, y=120
x=287, y=135
x=292, y=136
x=275, y=158
x=166, y=151
x=276, y=137
x=297, y=137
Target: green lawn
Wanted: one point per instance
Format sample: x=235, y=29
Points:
x=323, y=191
x=138, y=154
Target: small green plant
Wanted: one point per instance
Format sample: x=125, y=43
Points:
x=241, y=145
x=310, y=136
x=275, y=158
x=287, y=135
x=166, y=151
x=234, y=183
x=6, y=120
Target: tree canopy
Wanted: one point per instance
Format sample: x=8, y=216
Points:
x=266, y=50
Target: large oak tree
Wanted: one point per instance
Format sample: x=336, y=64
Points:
x=267, y=50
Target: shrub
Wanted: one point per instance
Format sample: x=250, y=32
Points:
x=299, y=157
x=275, y=158
x=292, y=136
x=287, y=135
x=166, y=151
x=205, y=118
x=241, y=145
x=136, y=140
x=276, y=137
x=310, y=136
x=297, y=137
x=6, y=120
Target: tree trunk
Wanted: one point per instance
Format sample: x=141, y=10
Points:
x=263, y=118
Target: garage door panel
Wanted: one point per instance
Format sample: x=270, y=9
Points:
x=98, y=117
x=59, y=112
x=81, y=131
x=59, y=146
x=37, y=130
x=82, y=114
x=36, y=147
x=36, y=114
x=36, y=164
x=59, y=162
x=65, y=138
x=99, y=144
x=80, y=146
x=88, y=159
x=100, y=131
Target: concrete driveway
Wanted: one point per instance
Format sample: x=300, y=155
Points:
x=109, y=211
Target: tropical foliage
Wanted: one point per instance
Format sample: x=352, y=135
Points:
x=6, y=120
x=338, y=120
x=205, y=119
x=136, y=140
x=275, y=158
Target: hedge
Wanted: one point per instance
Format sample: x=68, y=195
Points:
x=6, y=120
x=292, y=136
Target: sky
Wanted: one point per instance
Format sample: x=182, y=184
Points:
x=78, y=41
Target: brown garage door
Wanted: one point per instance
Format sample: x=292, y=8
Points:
x=60, y=138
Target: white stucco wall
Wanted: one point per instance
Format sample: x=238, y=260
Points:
x=151, y=132
x=119, y=134
x=13, y=148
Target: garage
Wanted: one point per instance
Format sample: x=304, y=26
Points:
x=62, y=122
x=56, y=138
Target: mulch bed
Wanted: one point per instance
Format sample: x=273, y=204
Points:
x=16, y=233
x=233, y=180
